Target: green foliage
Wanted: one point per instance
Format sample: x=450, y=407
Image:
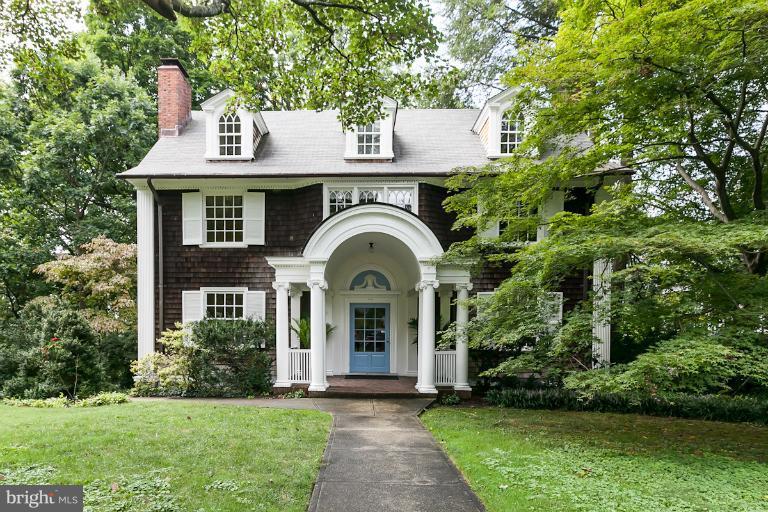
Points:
x=693, y=364
x=450, y=399
x=299, y=393
x=53, y=350
x=705, y=407
x=675, y=93
x=285, y=55
x=97, y=400
x=483, y=36
x=64, y=359
x=77, y=146
x=209, y=358
x=230, y=357
x=302, y=327
x=100, y=281
x=127, y=35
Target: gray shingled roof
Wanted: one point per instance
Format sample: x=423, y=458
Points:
x=301, y=143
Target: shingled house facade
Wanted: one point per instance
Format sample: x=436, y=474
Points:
x=283, y=215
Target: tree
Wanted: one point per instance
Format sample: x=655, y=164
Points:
x=100, y=282
x=674, y=92
x=287, y=54
x=483, y=36
x=76, y=145
x=133, y=39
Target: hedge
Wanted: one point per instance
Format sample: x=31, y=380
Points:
x=705, y=407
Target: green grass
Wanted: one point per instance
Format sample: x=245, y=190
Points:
x=166, y=456
x=518, y=460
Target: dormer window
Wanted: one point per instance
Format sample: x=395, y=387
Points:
x=231, y=132
x=512, y=130
x=369, y=138
x=230, y=135
x=373, y=141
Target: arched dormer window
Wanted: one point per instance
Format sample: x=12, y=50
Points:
x=230, y=135
x=512, y=131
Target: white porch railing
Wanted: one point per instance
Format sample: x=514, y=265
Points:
x=445, y=367
x=299, y=365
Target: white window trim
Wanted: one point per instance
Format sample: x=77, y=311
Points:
x=219, y=191
x=223, y=289
x=205, y=219
x=519, y=117
x=355, y=187
x=387, y=127
x=206, y=193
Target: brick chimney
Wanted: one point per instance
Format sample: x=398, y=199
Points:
x=174, y=98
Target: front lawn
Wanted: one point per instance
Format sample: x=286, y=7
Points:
x=518, y=460
x=167, y=456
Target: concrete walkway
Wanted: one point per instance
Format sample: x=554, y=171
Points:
x=379, y=458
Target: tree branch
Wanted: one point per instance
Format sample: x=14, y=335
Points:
x=168, y=8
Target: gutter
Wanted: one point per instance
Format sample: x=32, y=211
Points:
x=161, y=281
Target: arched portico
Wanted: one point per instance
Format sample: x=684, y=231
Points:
x=394, y=244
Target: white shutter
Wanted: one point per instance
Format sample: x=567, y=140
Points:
x=191, y=306
x=253, y=218
x=192, y=218
x=256, y=305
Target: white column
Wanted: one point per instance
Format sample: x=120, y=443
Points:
x=462, y=348
x=145, y=241
x=601, y=315
x=317, y=289
x=295, y=315
x=419, y=331
x=282, y=337
x=427, y=337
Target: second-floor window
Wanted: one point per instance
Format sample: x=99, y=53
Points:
x=512, y=131
x=224, y=305
x=369, y=139
x=341, y=197
x=230, y=135
x=224, y=219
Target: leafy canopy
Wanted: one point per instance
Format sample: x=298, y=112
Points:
x=674, y=92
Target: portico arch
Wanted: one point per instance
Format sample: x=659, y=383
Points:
x=373, y=218
x=397, y=243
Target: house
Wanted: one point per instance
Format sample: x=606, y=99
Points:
x=283, y=215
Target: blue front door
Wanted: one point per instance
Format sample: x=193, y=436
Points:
x=369, y=338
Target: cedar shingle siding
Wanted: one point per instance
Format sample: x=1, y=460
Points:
x=291, y=217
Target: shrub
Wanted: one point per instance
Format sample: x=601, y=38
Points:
x=706, y=407
x=164, y=373
x=106, y=398
x=209, y=358
x=451, y=399
x=64, y=359
x=230, y=357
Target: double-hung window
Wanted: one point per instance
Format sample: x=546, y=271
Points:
x=224, y=218
x=225, y=305
x=369, y=138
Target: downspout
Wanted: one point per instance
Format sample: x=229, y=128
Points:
x=160, y=281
